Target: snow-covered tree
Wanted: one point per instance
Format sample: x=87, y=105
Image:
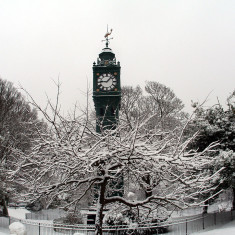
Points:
x=71, y=160
x=132, y=105
x=226, y=159
x=165, y=100
x=216, y=124
x=18, y=126
x=158, y=100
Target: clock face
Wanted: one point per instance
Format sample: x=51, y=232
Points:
x=107, y=82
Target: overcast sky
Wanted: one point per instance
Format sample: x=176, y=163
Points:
x=188, y=45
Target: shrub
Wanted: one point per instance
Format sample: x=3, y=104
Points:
x=70, y=219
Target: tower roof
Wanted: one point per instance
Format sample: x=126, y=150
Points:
x=107, y=54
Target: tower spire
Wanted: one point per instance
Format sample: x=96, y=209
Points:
x=107, y=39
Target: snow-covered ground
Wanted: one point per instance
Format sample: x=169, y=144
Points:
x=228, y=229
x=4, y=231
x=18, y=213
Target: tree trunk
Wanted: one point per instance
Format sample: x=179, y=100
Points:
x=148, y=191
x=100, y=208
x=4, y=205
x=233, y=205
x=205, y=208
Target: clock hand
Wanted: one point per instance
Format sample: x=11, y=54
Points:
x=107, y=80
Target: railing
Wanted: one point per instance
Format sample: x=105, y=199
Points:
x=179, y=226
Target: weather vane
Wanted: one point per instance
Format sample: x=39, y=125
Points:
x=107, y=39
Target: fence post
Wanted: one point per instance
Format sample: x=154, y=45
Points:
x=186, y=224
x=39, y=229
x=203, y=221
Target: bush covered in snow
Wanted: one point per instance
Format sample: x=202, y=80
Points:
x=17, y=228
x=70, y=219
x=130, y=220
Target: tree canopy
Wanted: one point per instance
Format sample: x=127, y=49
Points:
x=217, y=124
x=71, y=161
x=19, y=124
x=157, y=99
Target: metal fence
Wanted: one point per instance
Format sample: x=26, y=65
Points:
x=178, y=226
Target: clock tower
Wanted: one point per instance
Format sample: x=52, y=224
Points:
x=106, y=88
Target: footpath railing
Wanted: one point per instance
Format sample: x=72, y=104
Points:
x=177, y=226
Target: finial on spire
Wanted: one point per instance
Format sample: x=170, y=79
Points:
x=107, y=39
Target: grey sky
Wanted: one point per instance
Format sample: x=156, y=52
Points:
x=187, y=45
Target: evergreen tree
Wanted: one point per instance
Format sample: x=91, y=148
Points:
x=216, y=124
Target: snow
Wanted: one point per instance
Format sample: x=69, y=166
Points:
x=18, y=213
x=4, y=231
x=17, y=228
x=228, y=229
x=131, y=196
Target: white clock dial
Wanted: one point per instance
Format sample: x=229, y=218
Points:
x=106, y=82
